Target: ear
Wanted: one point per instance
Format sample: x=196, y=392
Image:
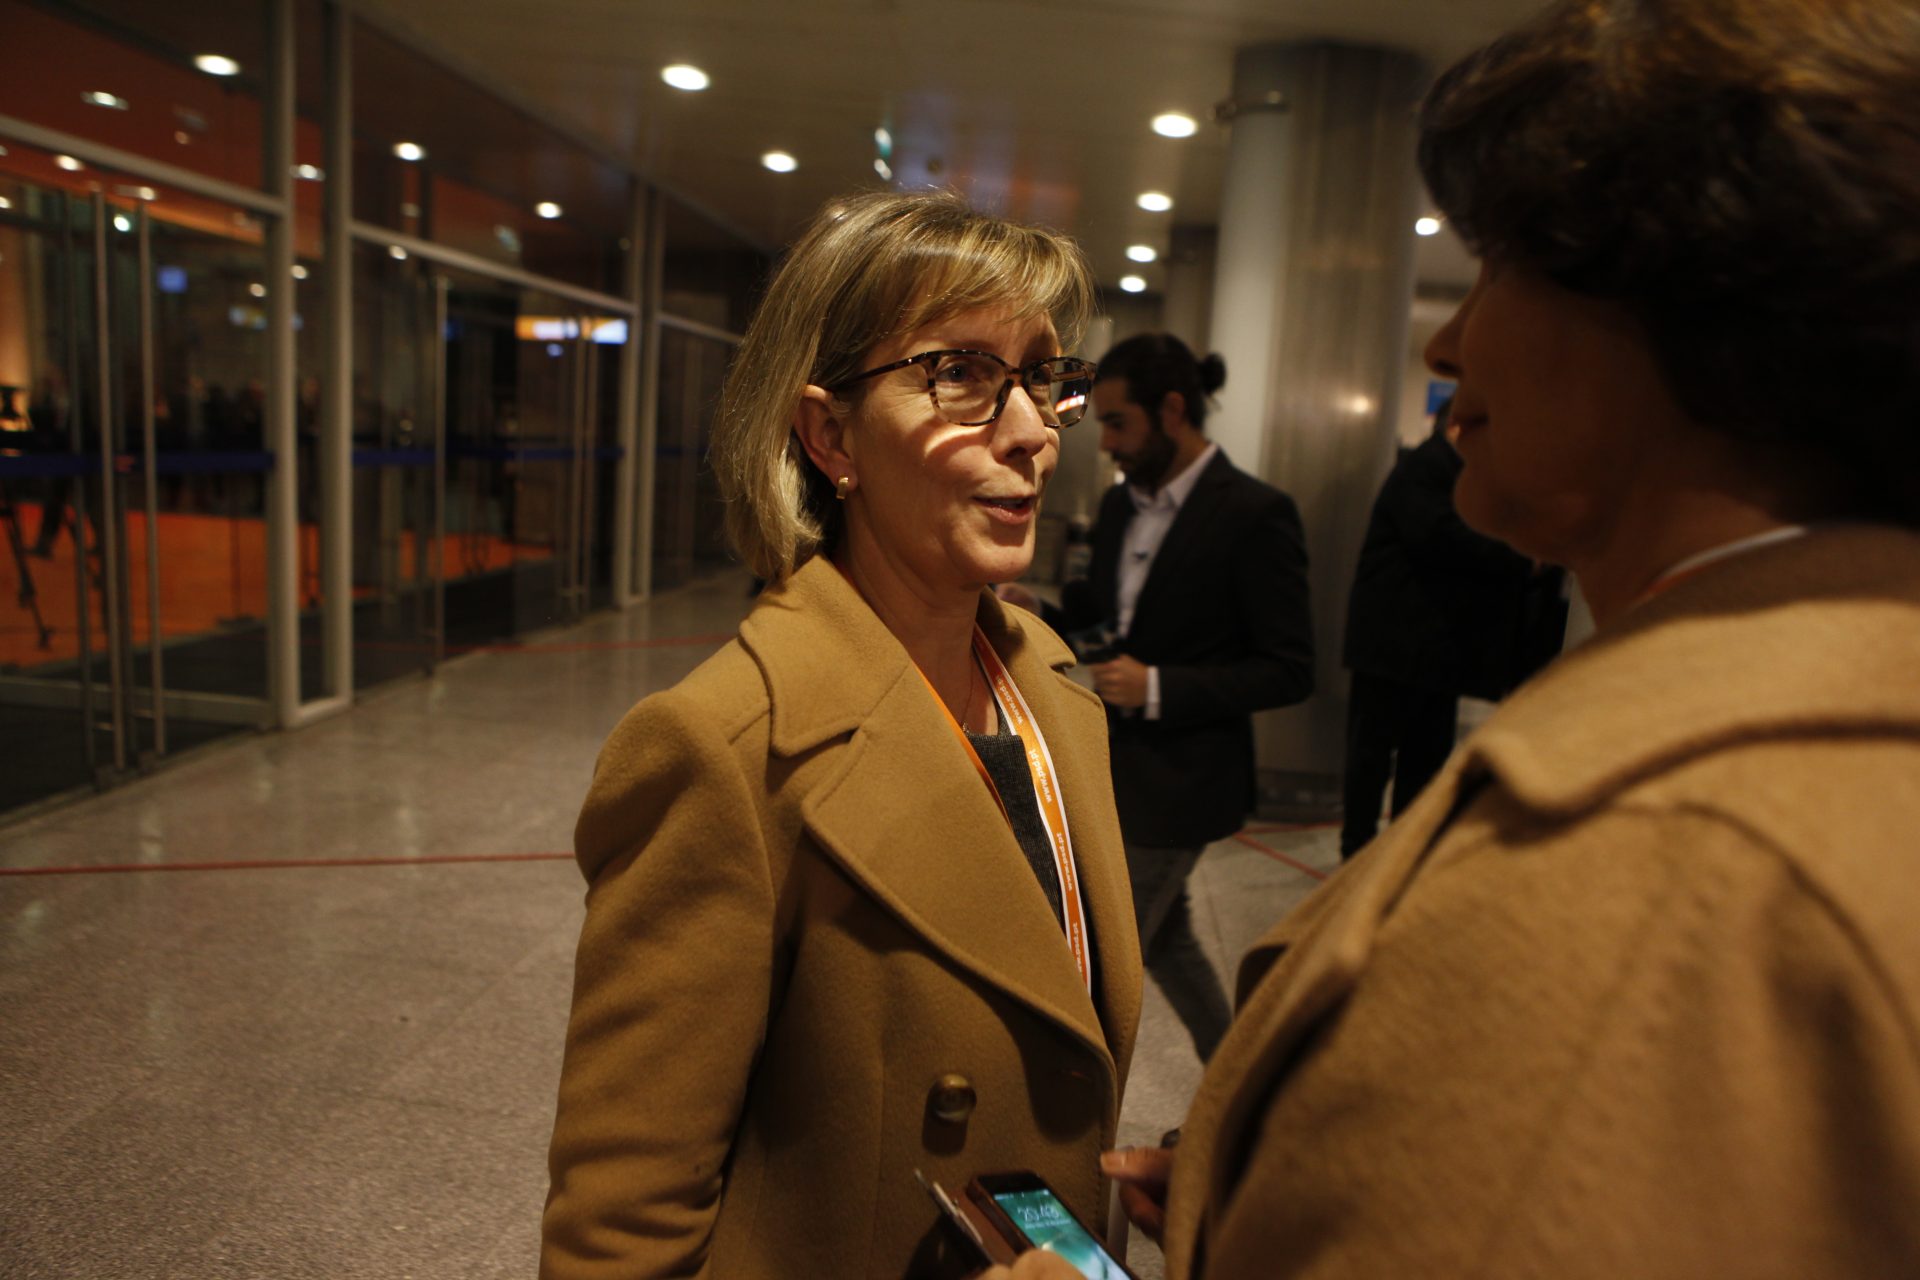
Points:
x=1173, y=410
x=823, y=433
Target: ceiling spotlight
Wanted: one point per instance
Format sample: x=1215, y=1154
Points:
x=395, y=252
x=1133, y=284
x=68, y=163
x=113, y=102
x=1155, y=201
x=257, y=289
x=309, y=172
x=779, y=162
x=1174, y=124
x=1427, y=227
x=410, y=151
x=299, y=272
x=121, y=222
x=5, y=203
x=1141, y=252
x=681, y=76
x=548, y=209
x=216, y=65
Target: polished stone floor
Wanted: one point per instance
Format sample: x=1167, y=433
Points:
x=294, y=1007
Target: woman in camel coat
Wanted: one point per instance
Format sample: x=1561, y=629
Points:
x=857, y=903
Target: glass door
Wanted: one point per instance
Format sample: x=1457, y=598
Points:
x=132, y=477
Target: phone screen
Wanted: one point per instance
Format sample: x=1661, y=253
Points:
x=1050, y=1226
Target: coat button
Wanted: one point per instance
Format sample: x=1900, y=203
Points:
x=951, y=1099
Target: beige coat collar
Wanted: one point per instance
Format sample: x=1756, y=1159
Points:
x=1718, y=659
x=889, y=815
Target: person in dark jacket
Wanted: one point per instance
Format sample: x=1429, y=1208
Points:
x=1437, y=611
x=1193, y=616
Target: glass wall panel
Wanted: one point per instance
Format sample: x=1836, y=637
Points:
x=709, y=274
x=122, y=73
x=97, y=558
x=689, y=534
x=485, y=178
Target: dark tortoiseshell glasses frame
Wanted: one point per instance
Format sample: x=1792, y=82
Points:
x=1040, y=374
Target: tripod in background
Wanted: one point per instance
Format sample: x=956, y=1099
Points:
x=11, y=421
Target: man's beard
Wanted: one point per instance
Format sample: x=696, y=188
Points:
x=1147, y=466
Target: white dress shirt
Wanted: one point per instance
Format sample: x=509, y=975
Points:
x=1153, y=515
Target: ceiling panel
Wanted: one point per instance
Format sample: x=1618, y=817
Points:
x=1037, y=108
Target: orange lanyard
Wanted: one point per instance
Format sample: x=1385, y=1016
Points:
x=1046, y=789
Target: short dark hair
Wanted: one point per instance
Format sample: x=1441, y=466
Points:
x=1157, y=364
x=1742, y=175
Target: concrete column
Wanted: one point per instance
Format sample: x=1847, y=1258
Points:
x=1310, y=311
x=1186, y=310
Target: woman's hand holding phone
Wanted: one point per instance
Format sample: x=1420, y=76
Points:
x=1143, y=1173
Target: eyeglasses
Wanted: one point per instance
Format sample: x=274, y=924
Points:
x=970, y=388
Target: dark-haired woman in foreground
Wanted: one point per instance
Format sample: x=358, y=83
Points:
x=1634, y=989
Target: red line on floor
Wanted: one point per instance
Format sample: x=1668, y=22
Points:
x=276, y=864
x=1278, y=856
x=507, y=646
x=591, y=646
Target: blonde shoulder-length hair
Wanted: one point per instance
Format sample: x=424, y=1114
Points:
x=870, y=267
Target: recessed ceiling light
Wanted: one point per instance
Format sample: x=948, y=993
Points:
x=1427, y=227
x=779, y=162
x=409, y=151
x=1174, y=124
x=299, y=272
x=257, y=289
x=682, y=76
x=5, y=203
x=215, y=64
x=68, y=163
x=111, y=101
x=1133, y=284
x=1142, y=252
x=548, y=209
x=1155, y=201
x=309, y=172
x=395, y=252
x=121, y=222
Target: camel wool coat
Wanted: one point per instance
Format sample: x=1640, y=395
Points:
x=815, y=960
x=1632, y=991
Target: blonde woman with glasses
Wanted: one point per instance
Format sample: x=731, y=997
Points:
x=857, y=904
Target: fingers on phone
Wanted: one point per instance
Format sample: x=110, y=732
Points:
x=1147, y=1166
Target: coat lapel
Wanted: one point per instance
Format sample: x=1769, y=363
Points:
x=905, y=814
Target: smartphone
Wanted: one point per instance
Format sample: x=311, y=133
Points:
x=1031, y=1215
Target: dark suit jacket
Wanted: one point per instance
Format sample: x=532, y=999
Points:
x=1224, y=616
x=1435, y=604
